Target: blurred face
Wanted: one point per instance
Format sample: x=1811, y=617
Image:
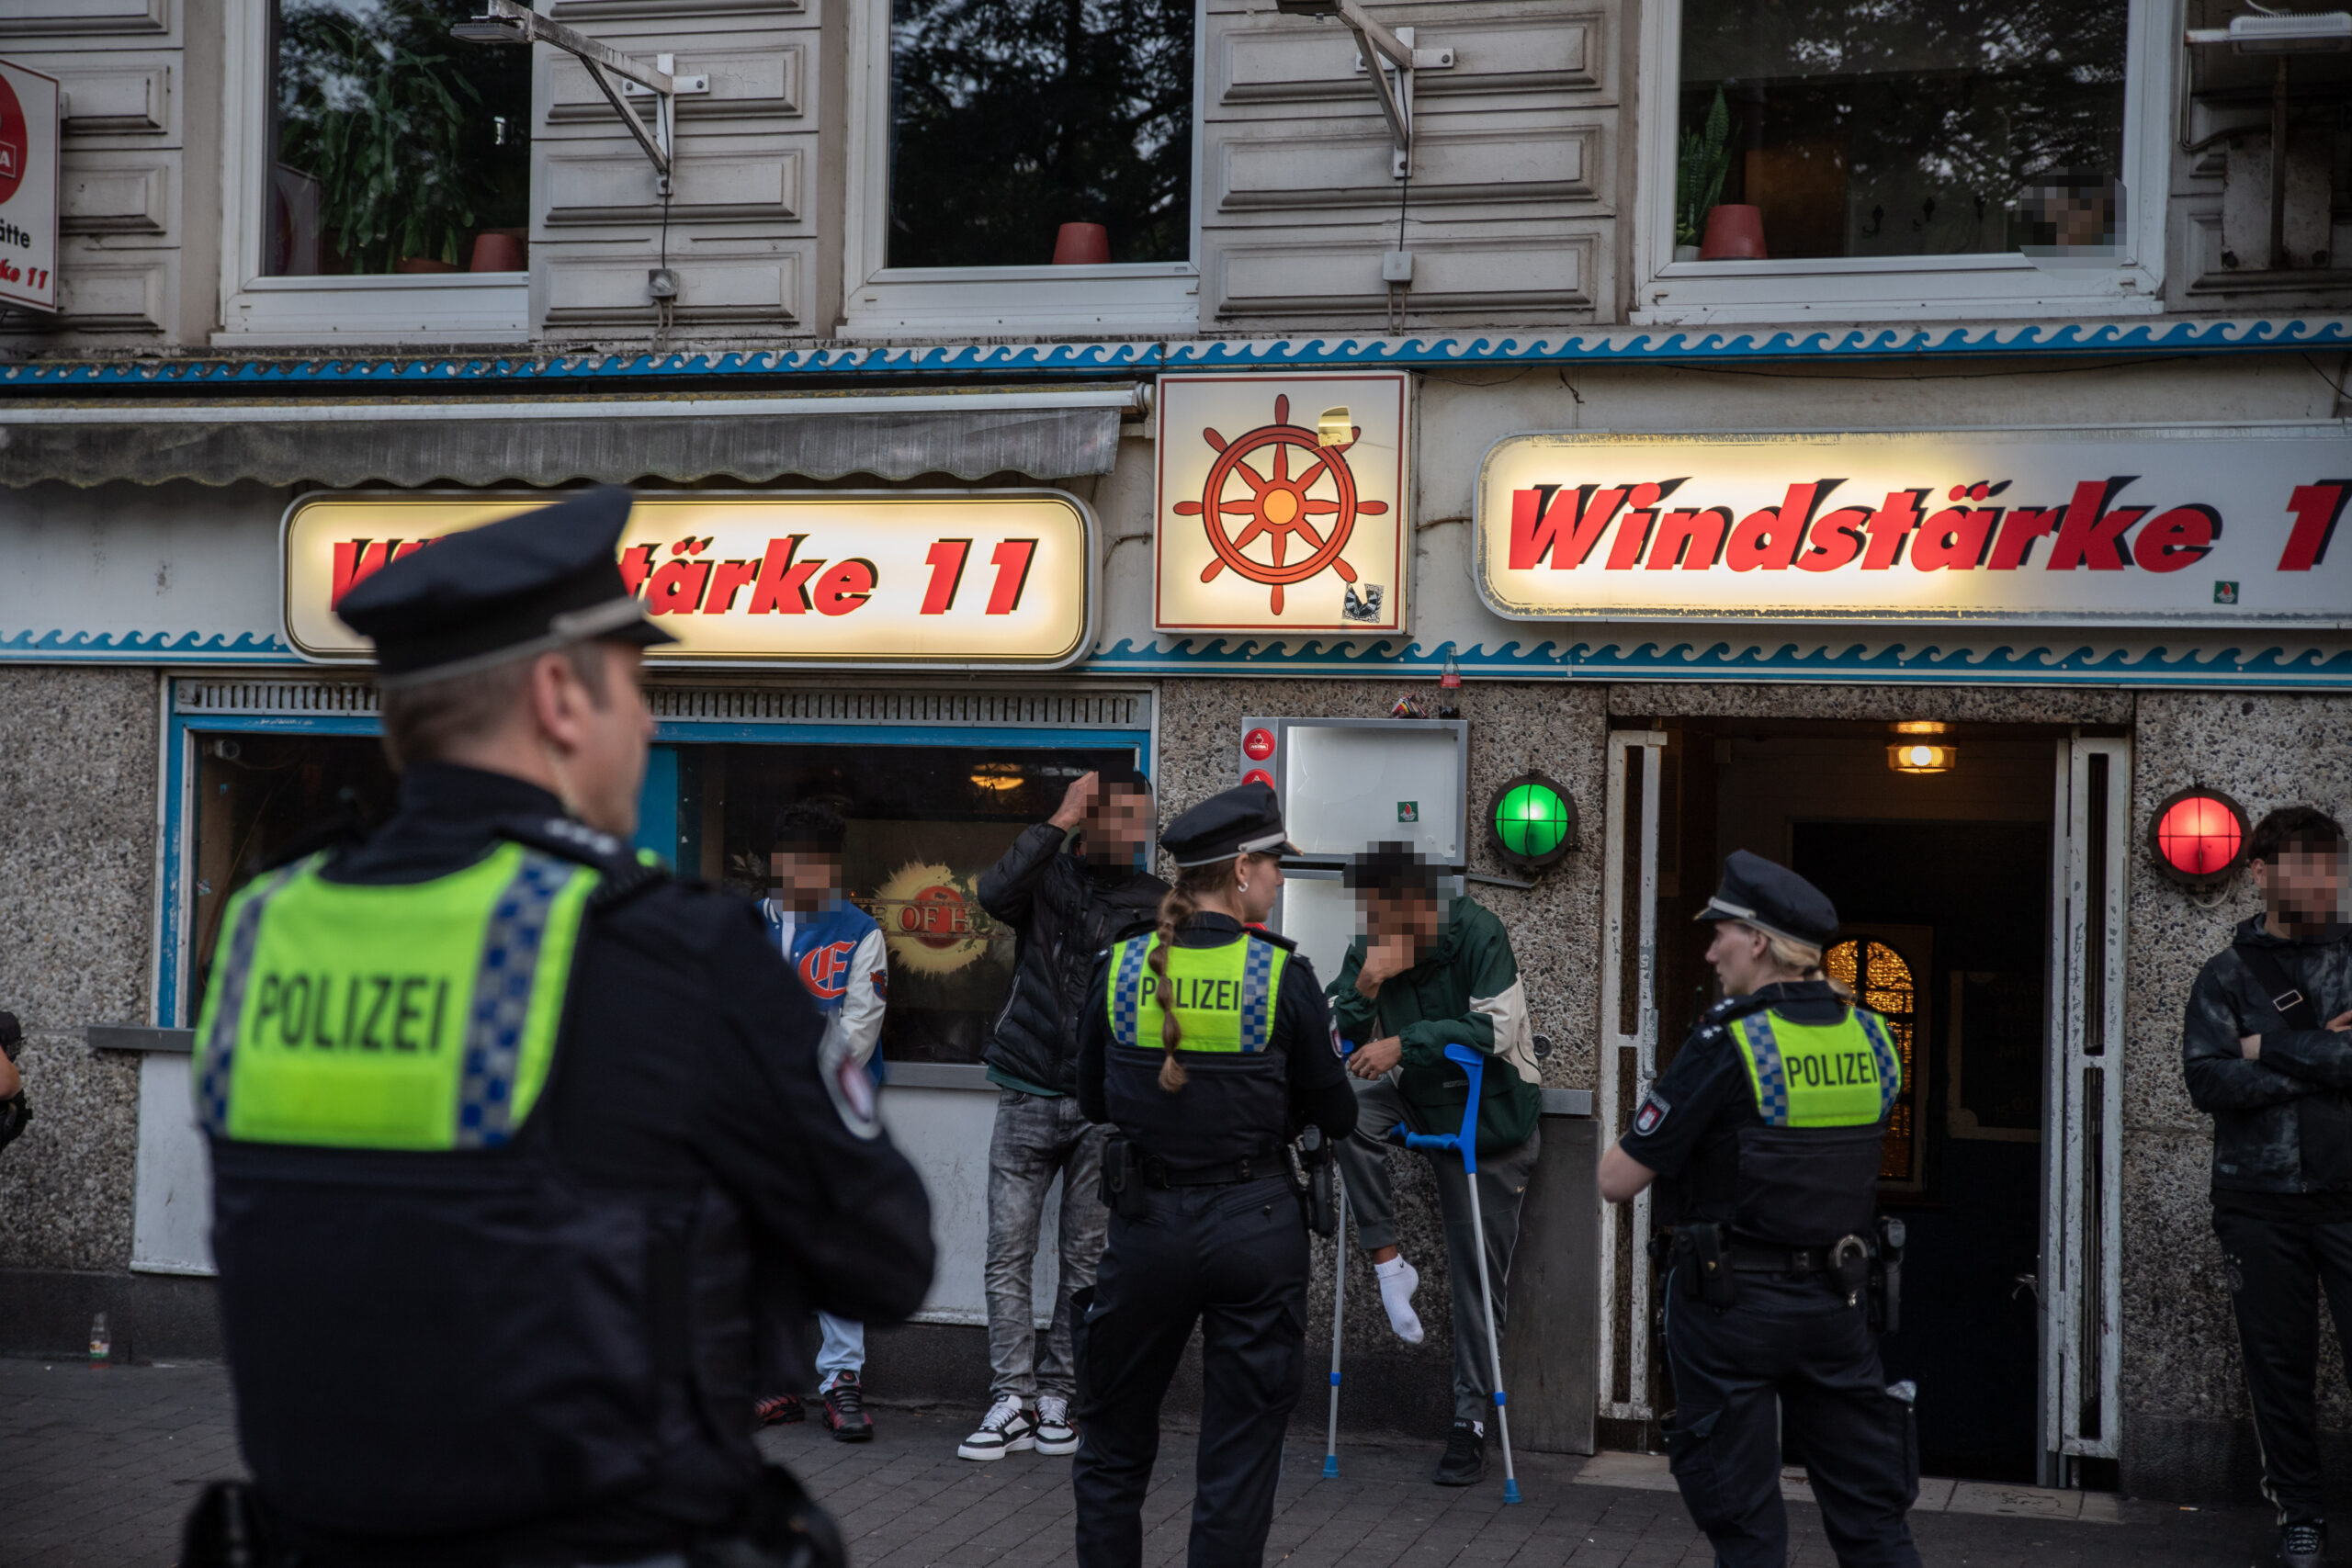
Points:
x=1742, y=958
x=1413, y=914
x=1117, y=826
x=805, y=880
x=1256, y=881
x=2304, y=888
x=596, y=743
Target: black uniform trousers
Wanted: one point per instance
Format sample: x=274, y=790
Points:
x=1796, y=1338
x=1234, y=1259
x=2277, y=1269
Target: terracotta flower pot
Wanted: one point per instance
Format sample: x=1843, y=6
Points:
x=497, y=251
x=422, y=264
x=1082, y=244
x=1735, y=232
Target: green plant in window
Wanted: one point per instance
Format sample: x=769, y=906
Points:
x=1698, y=173
x=375, y=107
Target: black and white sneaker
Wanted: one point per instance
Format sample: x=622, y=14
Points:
x=1465, y=1463
x=2302, y=1546
x=1055, y=1436
x=1008, y=1427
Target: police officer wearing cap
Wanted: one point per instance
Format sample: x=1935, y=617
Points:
x=515, y=1138
x=1208, y=1047
x=1770, y=1123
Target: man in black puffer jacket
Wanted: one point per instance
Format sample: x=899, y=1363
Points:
x=1067, y=906
x=2267, y=1049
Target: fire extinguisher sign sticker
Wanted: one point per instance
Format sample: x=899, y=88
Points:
x=29, y=186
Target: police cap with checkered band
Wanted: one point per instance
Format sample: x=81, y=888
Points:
x=1772, y=898
x=1244, y=821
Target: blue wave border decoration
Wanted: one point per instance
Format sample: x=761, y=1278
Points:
x=144, y=647
x=1134, y=358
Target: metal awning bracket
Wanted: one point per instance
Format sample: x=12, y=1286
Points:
x=1396, y=60
x=615, y=74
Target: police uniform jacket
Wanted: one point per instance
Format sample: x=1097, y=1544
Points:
x=1300, y=1083
x=427, y=1370
x=1689, y=1127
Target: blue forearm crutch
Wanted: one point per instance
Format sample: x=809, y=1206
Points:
x=1338, y=1315
x=1466, y=1141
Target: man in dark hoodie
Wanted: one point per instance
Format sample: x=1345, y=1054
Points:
x=2268, y=1050
x=1069, y=887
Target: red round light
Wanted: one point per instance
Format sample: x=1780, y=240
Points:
x=1258, y=745
x=2200, y=835
x=1259, y=775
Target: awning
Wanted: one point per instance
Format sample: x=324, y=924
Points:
x=1044, y=434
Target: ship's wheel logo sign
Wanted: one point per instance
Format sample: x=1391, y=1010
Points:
x=1253, y=509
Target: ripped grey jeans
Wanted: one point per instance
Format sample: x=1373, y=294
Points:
x=1038, y=1137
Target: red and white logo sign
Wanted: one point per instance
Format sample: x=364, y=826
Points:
x=2195, y=526
x=825, y=970
x=1259, y=775
x=29, y=184
x=1258, y=745
x=1281, y=503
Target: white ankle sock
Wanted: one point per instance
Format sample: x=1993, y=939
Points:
x=1398, y=1281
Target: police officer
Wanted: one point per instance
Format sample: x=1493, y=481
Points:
x=508, y=1127
x=1770, y=1121
x=1208, y=1046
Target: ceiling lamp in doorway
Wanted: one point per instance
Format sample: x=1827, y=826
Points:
x=2199, y=837
x=1919, y=757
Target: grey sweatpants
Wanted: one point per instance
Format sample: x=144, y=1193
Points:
x=1036, y=1138
x=1503, y=1183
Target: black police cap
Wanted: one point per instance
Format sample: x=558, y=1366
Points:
x=525, y=584
x=1245, y=820
x=1772, y=898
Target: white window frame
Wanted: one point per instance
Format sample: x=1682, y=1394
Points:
x=1861, y=288
x=1125, y=299
x=257, y=311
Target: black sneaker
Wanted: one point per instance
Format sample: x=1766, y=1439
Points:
x=845, y=1415
x=1465, y=1463
x=780, y=1410
x=2302, y=1546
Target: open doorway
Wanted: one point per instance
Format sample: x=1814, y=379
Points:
x=1963, y=891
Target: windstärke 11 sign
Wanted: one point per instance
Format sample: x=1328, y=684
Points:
x=30, y=120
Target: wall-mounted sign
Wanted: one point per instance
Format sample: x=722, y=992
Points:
x=1281, y=504
x=28, y=182
x=2193, y=525
x=913, y=579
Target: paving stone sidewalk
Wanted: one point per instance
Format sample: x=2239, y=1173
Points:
x=96, y=1468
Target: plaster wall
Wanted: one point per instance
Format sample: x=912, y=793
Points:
x=77, y=849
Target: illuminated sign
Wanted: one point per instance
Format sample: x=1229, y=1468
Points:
x=899, y=579
x=2187, y=527
x=2199, y=837
x=28, y=185
x=1281, y=504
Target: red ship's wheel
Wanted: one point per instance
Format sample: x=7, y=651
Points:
x=1277, y=505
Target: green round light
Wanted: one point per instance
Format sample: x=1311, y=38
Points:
x=1531, y=819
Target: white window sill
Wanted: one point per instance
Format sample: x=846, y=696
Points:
x=1111, y=301
x=1895, y=289
x=400, y=308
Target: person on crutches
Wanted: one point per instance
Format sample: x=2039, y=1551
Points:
x=1426, y=973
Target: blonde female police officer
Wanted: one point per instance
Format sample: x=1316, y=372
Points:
x=1771, y=1122
x=1208, y=1046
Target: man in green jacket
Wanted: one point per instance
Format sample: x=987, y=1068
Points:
x=1427, y=973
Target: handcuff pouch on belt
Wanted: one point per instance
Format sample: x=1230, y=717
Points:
x=1122, y=1178
x=1886, y=1277
x=1310, y=1172
x=1702, y=1263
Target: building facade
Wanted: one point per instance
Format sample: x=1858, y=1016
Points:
x=1571, y=412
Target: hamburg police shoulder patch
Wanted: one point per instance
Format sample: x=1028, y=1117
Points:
x=1651, y=1116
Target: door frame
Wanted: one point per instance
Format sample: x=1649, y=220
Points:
x=1628, y=1056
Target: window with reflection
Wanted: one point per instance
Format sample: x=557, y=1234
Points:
x=394, y=148
x=1881, y=980
x=1009, y=119
x=924, y=823
x=1899, y=128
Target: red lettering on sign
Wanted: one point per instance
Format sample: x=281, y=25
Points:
x=355, y=561
x=782, y=586
x=1836, y=539
x=1889, y=526
x=636, y=565
x=2090, y=535
x=2173, y=539
x=1769, y=539
x=2316, y=508
x=1012, y=559
x=730, y=578
x=1536, y=521
x=1693, y=541
x=1954, y=538
x=947, y=563
x=1633, y=532
x=2014, y=545
x=677, y=587
x=845, y=587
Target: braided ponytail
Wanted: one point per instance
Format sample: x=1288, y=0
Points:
x=1182, y=902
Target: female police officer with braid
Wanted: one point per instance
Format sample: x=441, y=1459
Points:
x=1208, y=1045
